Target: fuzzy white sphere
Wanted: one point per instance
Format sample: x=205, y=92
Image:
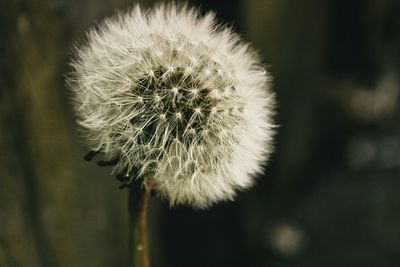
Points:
x=177, y=97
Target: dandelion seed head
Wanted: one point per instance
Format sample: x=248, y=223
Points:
x=177, y=97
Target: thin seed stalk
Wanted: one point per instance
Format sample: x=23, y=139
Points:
x=138, y=240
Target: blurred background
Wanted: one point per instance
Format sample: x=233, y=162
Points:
x=330, y=195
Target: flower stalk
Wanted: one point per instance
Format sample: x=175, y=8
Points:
x=138, y=241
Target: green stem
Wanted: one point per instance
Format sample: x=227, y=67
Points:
x=138, y=241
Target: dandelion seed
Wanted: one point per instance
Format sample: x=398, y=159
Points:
x=175, y=90
x=207, y=72
x=178, y=115
x=194, y=60
x=194, y=92
x=188, y=70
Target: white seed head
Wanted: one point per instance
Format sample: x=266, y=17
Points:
x=177, y=97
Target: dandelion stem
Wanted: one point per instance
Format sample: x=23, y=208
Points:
x=138, y=202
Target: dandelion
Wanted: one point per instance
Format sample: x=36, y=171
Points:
x=176, y=103
x=171, y=95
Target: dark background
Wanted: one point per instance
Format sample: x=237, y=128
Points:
x=330, y=195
